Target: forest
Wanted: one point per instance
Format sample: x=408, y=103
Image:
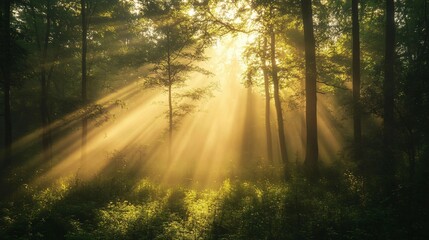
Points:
x=214, y=119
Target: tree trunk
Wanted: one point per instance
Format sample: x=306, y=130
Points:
x=311, y=158
x=389, y=91
x=84, y=78
x=6, y=69
x=267, y=102
x=170, y=114
x=277, y=101
x=170, y=103
x=356, y=81
x=44, y=105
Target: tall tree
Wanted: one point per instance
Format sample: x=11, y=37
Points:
x=267, y=99
x=356, y=80
x=49, y=25
x=277, y=102
x=44, y=105
x=389, y=91
x=6, y=60
x=169, y=84
x=412, y=85
x=179, y=45
x=311, y=157
x=84, y=75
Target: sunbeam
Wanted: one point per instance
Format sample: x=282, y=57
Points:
x=215, y=136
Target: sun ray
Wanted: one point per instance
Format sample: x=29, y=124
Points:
x=223, y=133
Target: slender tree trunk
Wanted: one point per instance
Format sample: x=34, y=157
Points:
x=426, y=25
x=356, y=80
x=389, y=91
x=44, y=106
x=84, y=93
x=6, y=69
x=277, y=101
x=170, y=114
x=311, y=158
x=412, y=156
x=267, y=101
x=170, y=103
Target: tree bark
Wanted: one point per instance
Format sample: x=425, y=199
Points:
x=7, y=79
x=389, y=91
x=277, y=102
x=267, y=101
x=356, y=81
x=311, y=158
x=84, y=93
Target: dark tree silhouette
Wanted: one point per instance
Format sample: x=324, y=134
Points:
x=6, y=60
x=267, y=100
x=84, y=75
x=389, y=91
x=356, y=80
x=311, y=157
x=44, y=105
x=277, y=102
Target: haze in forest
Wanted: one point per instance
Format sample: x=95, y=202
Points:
x=214, y=119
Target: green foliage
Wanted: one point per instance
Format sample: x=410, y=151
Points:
x=336, y=207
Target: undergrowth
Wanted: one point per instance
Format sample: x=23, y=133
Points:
x=120, y=208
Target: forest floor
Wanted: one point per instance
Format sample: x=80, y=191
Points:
x=119, y=207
